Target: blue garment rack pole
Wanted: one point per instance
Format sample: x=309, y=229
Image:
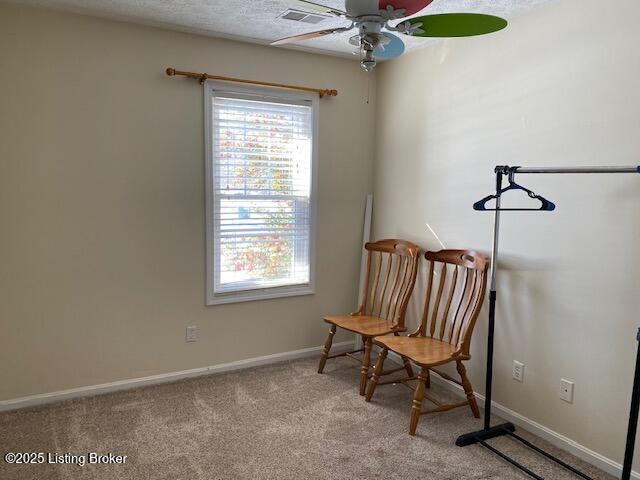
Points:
x=488, y=432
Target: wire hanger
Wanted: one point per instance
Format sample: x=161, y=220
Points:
x=545, y=204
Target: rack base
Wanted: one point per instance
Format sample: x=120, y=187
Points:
x=481, y=435
x=508, y=429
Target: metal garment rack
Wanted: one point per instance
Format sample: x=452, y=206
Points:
x=488, y=432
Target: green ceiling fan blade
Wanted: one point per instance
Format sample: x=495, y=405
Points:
x=456, y=25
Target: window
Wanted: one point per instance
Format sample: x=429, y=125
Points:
x=260, y=147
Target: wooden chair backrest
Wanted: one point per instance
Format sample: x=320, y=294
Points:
x=392, y=266
x=456, y=283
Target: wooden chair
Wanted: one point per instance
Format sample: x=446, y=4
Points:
x=392, y=266
x=444, y=335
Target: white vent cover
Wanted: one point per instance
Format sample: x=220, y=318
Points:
x=306, y=17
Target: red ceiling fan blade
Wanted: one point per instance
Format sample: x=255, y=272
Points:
x=411, y=6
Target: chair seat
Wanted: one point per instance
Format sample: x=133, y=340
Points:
x=421, y=350
x=364, y=325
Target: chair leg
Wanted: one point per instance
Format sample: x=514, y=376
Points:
x=377, y=370
x=366, y=361
x=468, y=389
x=407, y=366
x=416, y=409
x=428, y=382
x=326, y=349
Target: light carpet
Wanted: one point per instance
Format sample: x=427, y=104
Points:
x=281, y=421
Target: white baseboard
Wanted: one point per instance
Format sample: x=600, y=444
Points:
x=558, y=440
x=42, y=398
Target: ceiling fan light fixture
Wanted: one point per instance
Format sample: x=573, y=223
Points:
x=368, y=61
x=368, y=64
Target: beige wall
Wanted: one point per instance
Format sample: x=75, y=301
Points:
x=102, y=248
x=559, y=87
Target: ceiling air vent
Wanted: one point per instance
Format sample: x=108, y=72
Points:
x=305, y=17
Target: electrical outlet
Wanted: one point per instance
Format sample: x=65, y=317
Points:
x=566, y=390
x=192, y=333
x=518, y=371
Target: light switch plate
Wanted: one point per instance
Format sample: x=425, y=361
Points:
x=518, y=371
x=191, y=334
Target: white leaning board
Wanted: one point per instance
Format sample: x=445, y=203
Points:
x=366, y=236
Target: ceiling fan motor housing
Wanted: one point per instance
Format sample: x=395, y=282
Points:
x=358, y=8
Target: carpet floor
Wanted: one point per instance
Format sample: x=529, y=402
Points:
x=281, y=421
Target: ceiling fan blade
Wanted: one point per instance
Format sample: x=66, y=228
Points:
x=310, y=35
x=317, y=7
x=393, y=49
x=411, y=7
x=358, y=8
x=457, y=25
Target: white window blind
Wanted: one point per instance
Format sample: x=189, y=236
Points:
x=261, y=153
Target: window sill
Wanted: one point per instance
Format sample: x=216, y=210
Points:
x=263, y=294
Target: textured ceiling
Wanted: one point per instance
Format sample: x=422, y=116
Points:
x=257, y=20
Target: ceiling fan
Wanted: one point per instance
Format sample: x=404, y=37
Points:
x=375, y=19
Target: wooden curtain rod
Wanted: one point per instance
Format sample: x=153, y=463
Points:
x=205, y=76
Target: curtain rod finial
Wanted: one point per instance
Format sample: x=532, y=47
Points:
x=170, y=71
x=330, y=93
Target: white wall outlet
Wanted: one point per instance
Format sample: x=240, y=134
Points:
x=566, y=390
x=518, y=371
x=192, y=334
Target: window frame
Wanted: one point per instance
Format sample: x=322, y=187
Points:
x=266, y=94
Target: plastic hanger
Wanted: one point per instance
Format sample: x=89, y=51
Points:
x=546, y=205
